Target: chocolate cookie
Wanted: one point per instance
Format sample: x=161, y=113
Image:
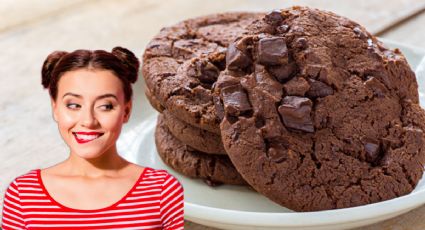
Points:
x=183, y=61
x=319, y=114
x=213, y=169
x=153, y=101
x=194, y=137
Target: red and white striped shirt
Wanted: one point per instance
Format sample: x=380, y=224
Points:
x=154, y=202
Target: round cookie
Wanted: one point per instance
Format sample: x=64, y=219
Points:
x=319, y=114
x=213, y=169
x=182, y=62
x=199, y=139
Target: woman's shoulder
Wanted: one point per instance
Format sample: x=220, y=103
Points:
x=160, y=174
x=28, y=177
x=156, y=172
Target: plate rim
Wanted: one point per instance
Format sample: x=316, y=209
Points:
x=391, y=42
x=316, y=218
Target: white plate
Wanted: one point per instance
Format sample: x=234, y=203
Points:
x=237, y=207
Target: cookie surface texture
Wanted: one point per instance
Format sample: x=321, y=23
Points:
x=183, y=61
x=318, y=114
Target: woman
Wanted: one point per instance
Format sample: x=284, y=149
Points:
x=94, y=188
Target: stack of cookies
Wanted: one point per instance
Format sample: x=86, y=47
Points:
x=180, y=66
x=303, y=105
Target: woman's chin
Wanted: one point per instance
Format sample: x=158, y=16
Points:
x=89, y=153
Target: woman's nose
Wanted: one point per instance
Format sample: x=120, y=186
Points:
x=88, y=118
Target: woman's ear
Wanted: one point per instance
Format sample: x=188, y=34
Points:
x=127, y=111
x=54, y=110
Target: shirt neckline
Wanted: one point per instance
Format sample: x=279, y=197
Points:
x=90, y=210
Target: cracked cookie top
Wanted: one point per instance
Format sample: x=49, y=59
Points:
x=317, y=114
x=183, y=61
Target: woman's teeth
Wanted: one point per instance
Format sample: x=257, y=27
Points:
x=87, y=137
x=84, y=138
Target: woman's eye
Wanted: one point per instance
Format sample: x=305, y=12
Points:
x=107, y=107
x=72, y=106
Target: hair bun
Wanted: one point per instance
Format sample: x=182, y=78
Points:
x=129, y=60
x=49, y=65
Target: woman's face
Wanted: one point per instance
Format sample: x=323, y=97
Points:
x=90, y=111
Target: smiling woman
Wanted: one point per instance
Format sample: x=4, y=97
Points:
x=94, y=188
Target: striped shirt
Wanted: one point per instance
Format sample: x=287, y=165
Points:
x=154, y=202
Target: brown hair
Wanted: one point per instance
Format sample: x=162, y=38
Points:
x=121, y=61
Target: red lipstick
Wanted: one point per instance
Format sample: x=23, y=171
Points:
x=84, y=137
x=88, y=133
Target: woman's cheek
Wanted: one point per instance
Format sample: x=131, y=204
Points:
x=113, y=122
x=69, y=119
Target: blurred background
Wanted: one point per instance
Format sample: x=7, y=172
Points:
x=31, y=29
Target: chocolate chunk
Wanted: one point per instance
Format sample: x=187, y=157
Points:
x=295, y=112
x=359, y=32
x=283, y=72
x=209, y=73
x=235, y=100
x=272, y=51
x=243, y=43
x=218, y=107
x=282, y=29
x=301, y=43
x=297, y=86
x=218, y=59
x=318, y=89
x=205, y=71
x=372, y=151
x=236, y=59
x=224, y=80
x=273, y=18
x=266, y=82
x=378, y=88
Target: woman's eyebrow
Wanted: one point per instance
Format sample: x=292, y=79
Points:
x=97, y=98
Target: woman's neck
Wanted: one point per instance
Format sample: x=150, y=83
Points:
x=109, y=164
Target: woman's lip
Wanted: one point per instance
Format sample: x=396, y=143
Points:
x=82, y=141
x=88, y=133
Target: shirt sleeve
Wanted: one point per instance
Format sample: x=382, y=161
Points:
x=12, y=209
x=172, y=203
